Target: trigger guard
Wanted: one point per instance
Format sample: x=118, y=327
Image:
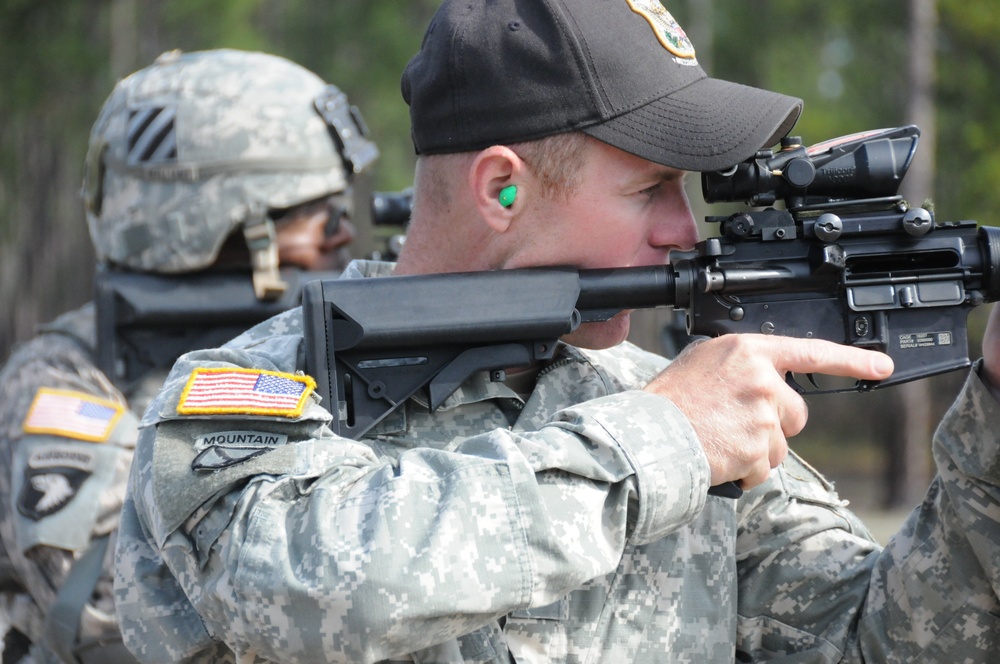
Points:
x=859, y=386
x=794, y=384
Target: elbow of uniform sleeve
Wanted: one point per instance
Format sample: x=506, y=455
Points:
x=671, y=470
x=947, y=549
x=143, y=586
x=968, y=438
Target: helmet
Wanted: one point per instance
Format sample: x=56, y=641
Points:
x=199, y=145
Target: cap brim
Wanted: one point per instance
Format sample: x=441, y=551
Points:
x=706, y=126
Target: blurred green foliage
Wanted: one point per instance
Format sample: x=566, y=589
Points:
x=846, y=59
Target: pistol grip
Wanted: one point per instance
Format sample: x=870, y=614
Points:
x=727, y=490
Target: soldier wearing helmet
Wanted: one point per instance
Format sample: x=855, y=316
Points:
x=212, y=179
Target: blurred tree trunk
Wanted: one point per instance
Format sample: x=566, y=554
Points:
x=908, y=467
x=124, y=47
x=701, y=30
x=46, y=258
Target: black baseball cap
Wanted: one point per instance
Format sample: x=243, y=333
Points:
x=497, y=72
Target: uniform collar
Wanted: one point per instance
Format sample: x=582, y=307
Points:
x=360, y=268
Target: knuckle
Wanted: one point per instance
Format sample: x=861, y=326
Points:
x=743, y=344
x=797, y=415
x=757, y=475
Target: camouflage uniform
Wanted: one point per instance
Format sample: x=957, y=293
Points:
x=571, y=527
x=184, y=153
x=66, y=476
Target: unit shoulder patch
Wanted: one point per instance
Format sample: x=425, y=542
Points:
x=72, y=414
x=231, y=391
x=668, y=31
x=52, y=479
x=222, y=449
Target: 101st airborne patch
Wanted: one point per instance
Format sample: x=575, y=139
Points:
x=668, y=31
x=52, y=478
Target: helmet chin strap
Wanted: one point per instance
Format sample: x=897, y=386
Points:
x=261, y=239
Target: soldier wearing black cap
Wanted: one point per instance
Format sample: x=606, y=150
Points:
x=561, y=516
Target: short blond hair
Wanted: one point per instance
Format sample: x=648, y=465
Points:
x=555, y=161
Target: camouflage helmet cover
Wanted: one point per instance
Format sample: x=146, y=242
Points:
x=196, y=145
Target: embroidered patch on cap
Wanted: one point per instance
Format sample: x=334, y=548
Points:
x=214, y=391
x=667, y=29
x=71, y=414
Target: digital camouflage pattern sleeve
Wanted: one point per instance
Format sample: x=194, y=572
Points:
x=809, y=573
x=66, y=440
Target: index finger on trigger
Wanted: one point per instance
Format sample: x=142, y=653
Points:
x=818, y=356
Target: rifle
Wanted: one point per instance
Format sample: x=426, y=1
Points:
x=146, y=321
x=845, y=259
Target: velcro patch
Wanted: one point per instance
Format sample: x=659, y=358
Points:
x=63, y=456
x=52, y=479
x=215, y=458
x=218, y=391
x=72, y=414
x=228, y=448
x=260, y=439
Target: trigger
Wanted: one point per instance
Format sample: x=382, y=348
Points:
x=792, y=383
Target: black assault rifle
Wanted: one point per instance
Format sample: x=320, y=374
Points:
x=845, y=259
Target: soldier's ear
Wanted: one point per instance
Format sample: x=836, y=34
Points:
x=495, y=171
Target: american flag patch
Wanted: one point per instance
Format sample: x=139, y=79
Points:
x=72, y=414
x=245, y=392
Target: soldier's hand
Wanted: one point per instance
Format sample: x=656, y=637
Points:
x=991, y=353
x=733, y=391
